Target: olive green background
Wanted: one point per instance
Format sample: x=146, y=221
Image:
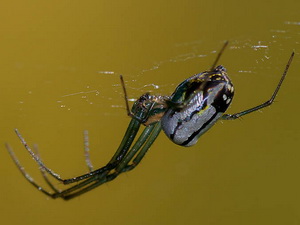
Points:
x=60, y=63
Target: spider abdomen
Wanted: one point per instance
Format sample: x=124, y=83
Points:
x=196, y=105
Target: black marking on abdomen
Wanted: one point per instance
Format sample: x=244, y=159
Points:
x=198, y=131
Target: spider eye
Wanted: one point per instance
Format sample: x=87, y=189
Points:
x=198, y=103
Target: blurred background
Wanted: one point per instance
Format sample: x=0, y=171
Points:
x=60, y=63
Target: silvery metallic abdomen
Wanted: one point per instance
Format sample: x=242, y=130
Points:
x=196, y=105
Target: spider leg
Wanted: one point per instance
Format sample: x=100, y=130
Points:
x=99, y=179
x=120, y=153
x=219, y=55
x=83, y=187
x=23, y=171
x=87, y=151
x=57, y=193
x=79, y=188
x=89, y=179
x=125, y=166
x=117, y=157
x=143, y=143
x=123, y=155
x=36, y=158
x=265, y=104
x=44, y=174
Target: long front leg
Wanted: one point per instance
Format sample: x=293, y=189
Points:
x=129, y=166
x=120, y=153
x=265, y=104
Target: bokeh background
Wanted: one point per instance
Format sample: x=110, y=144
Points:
x=59, y=75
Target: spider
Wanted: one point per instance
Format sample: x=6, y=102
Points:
x=194, y=107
